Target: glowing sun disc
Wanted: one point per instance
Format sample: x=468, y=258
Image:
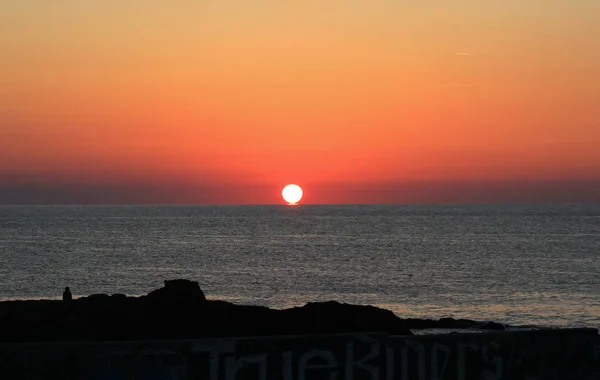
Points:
x=292, y=193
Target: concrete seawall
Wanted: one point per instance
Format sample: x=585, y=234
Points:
x=524, y=355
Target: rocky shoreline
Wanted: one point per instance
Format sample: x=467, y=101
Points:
x=176, y=333
x=180, y=310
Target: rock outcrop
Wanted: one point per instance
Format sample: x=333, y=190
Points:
x=180, y=310
x=453, y=324
x=179, y=290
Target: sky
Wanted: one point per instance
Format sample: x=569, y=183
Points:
x=357, y=101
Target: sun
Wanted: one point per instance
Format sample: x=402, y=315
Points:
x=292, y=194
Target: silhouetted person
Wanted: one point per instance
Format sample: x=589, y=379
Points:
x=67, y=294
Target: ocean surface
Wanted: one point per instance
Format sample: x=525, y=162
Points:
x=519, y=264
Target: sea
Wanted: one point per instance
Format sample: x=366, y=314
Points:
x=524, y=265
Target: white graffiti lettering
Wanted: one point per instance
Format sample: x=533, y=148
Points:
x=351, y=363
x=330, y=363
x=437, y=373
x=233, y=365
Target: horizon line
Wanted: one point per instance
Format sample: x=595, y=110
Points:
x=293, y=205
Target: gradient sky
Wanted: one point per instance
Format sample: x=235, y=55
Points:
x=357, y=101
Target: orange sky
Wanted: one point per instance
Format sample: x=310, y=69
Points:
x=359, y=101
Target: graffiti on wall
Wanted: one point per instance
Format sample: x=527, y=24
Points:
x=567, y=354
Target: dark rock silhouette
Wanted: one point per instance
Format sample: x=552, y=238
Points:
x=180, y=310
x=451, y=323
x=492, y=326
x=335, y=317
x=179, y=289
x=67, y=294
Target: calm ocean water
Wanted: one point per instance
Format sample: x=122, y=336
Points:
x=526, y=265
